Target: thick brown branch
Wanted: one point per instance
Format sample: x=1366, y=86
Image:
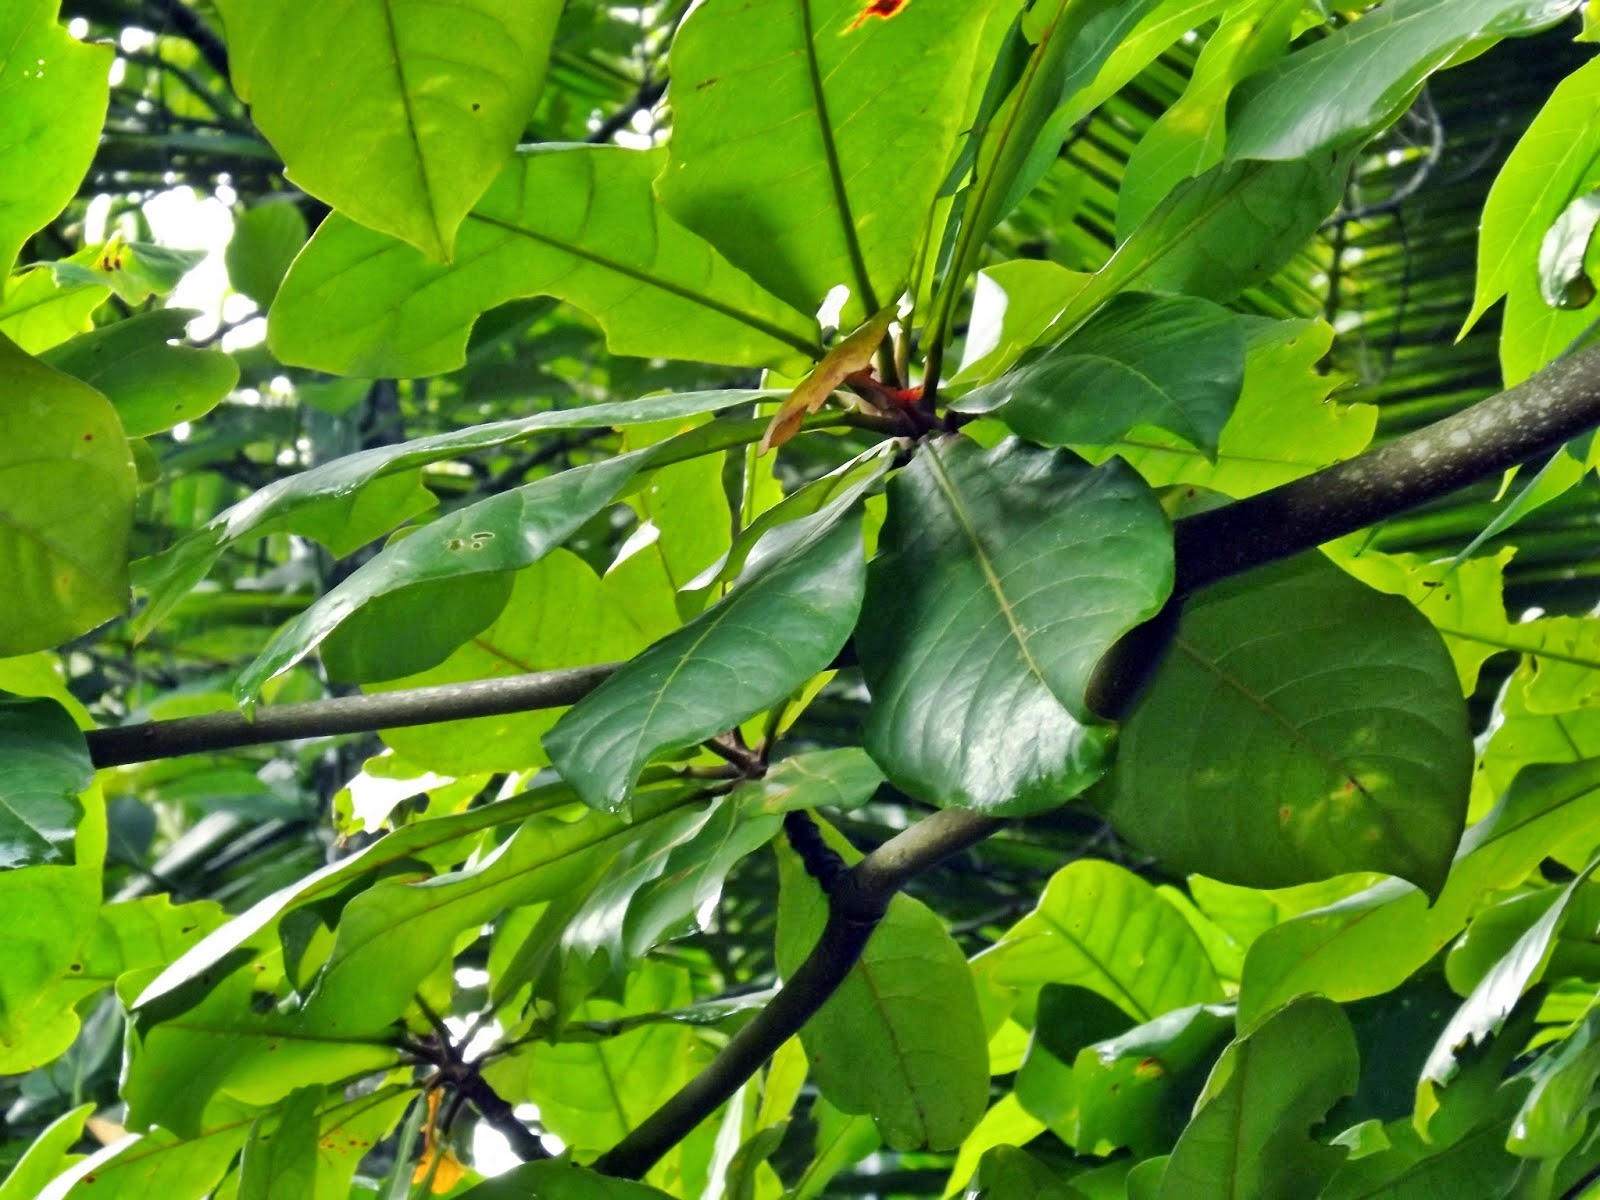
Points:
x=346, y=714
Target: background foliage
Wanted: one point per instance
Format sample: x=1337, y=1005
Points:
x=781, y=412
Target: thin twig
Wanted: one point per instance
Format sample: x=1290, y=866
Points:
x=185, y=22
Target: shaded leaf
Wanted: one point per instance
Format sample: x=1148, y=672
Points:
x=300, y=503
x=794, y=606
x=559, y=1181
x=1002, y=578
x=1177, y=363
x=1340, y=89
x=1007, y=1173
x=576, y=222
x=67, y=489
x=1301, y=726
x=152, y=384
x=56, y=89
x=44, y=764
x=265, y=240
x=404, y=137
x=1250, y=1136
x=280, y=1156
x=877, y=1047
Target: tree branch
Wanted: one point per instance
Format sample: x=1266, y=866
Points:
x=346, y=714
x=186, y=23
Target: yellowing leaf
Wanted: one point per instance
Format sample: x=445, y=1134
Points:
x=849, y=356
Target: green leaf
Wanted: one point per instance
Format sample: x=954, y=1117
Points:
x=1555, y=1116
x=592, y=1093
x=1250, y=1136
x=1553, y=161
x=153, y=385
x=441, y=840
x=1007, y=1173
x=842, y=1140
x=56, y=89
x=504, y=532
x=280, y=1157
x=395, y=932
x=1414, y=1168
x=38, y=312
x=47, y=1156
x=427, y=101
x=1485, y=1011
x=788, y=615
x=1176, y=362
x=136, y=271
x=44, y=764
x=559, y=1181
x=1013, y=303
x=843, y=779
x=1005, y=1124
x=1369, y=943
x=1301, y=726
x=1341, y=89
x=1100, y=927
x=559, y=615
x=877, y=1047
x=576, y=222
x=825, y=95
x=303, y=503
x=1002, y=578
x=153, y=1163
x=414, y=629
x=1190, y=136
x=1215, y=235
x=136, y=935
x=67, y=489
x=265, y=240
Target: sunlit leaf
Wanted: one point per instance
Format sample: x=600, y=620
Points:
x=404, y=136
x=580, y=223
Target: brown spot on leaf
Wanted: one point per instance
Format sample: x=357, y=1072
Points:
x=882, y=9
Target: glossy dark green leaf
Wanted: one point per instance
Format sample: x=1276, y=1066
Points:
x=44, y=764
x=877, y=1047
x=426, y=103
x=1250, y=1136
x=1555, y=1116
x=800, y=132
x=301, y=503
x=67, y=489
x=1174, y=362
x=787, y=616
x=410, y=630
x=1301, y=726
x=1370, y=942
x=1340, y=89
x=152, y=384
x=1002, y=578
x=577, y=222
x=843, y=779
x=265, y=240
x=1101, y=927
x=56, y=89
x=559, y=1181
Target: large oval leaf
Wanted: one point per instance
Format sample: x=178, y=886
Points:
x=1004, y=576
x=1302, y=726
x=66, y=489
x=786, y=618
x=1175, y=362
x=424, y=105
x=577, y=222
x=780, y=161
x=877, y=1046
